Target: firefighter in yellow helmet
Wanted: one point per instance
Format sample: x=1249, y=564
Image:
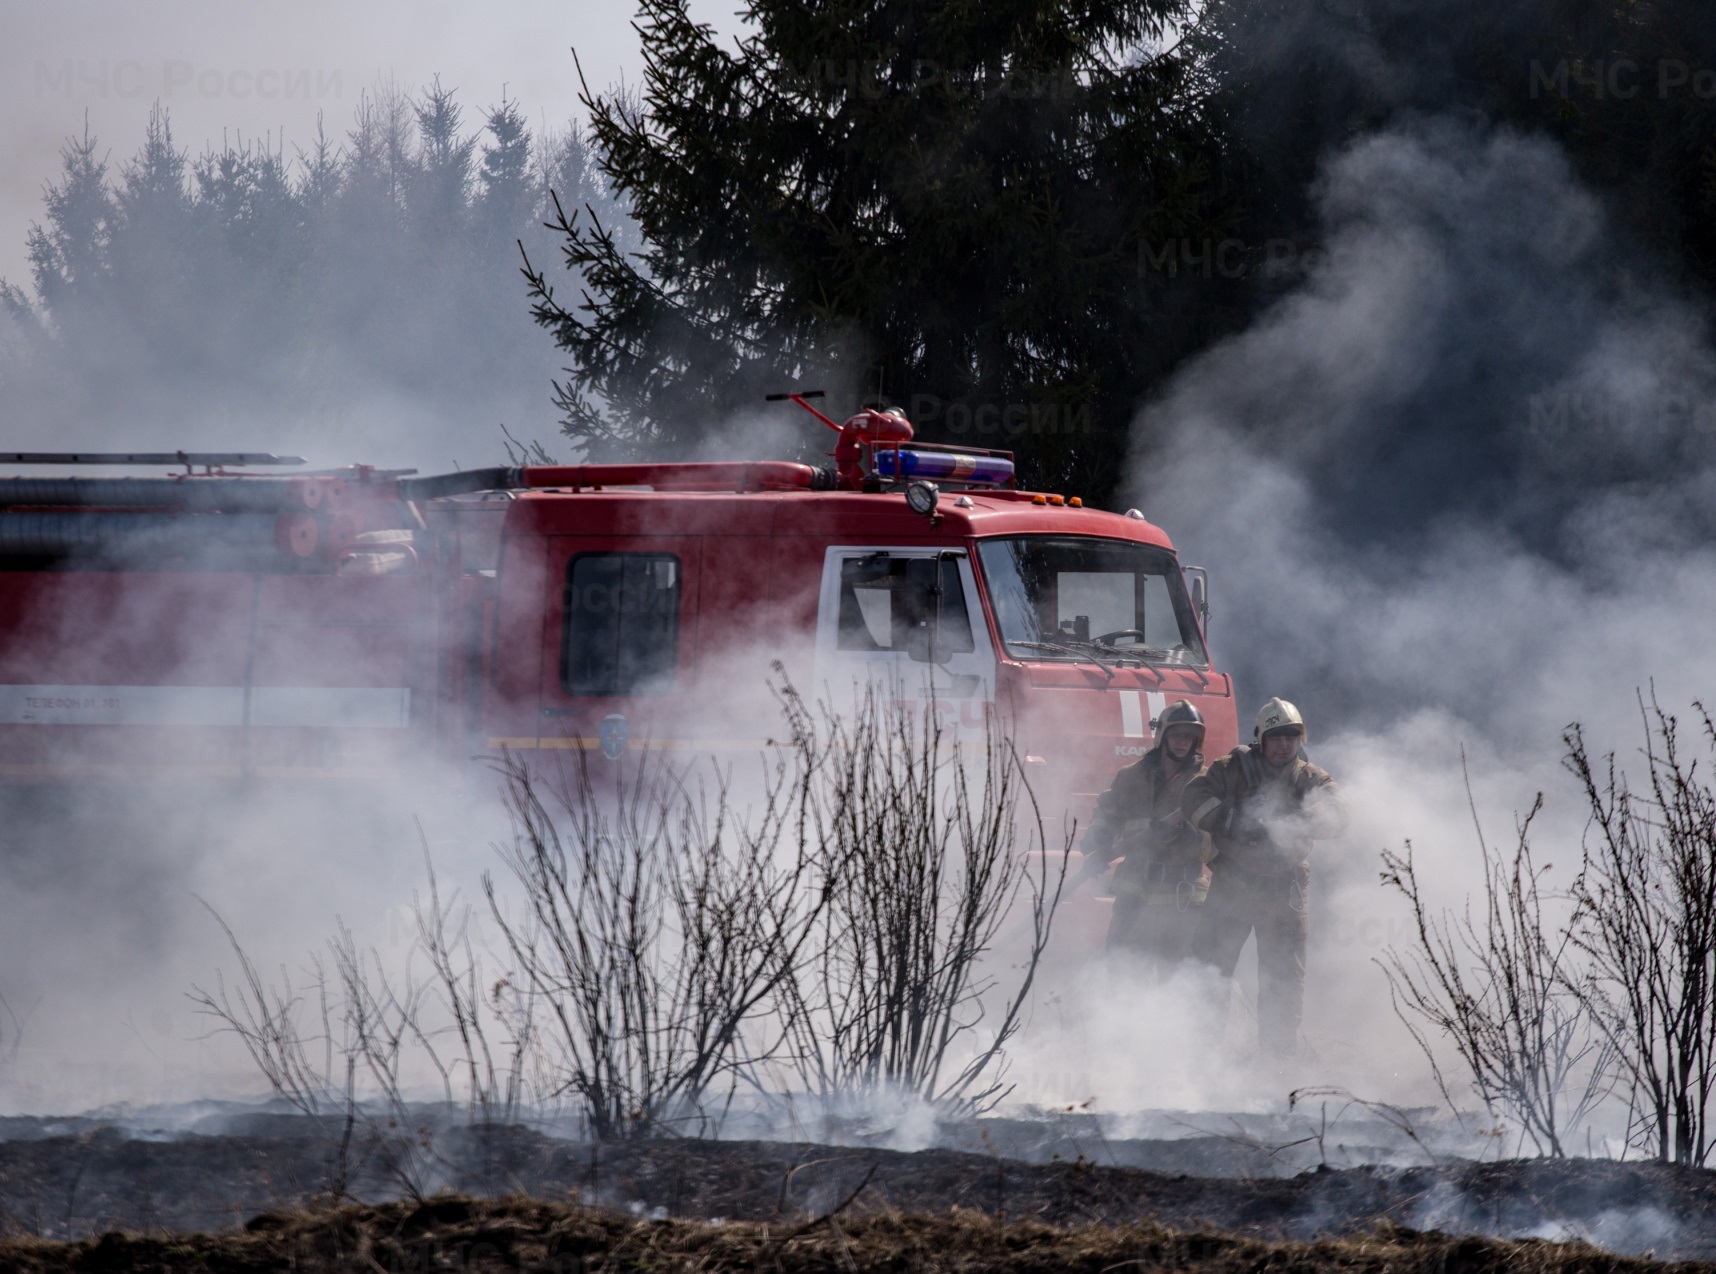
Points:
x=1161, y=880
x=1263, y=806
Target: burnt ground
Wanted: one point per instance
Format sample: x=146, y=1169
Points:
x=72, y=1185
x=526, y=1235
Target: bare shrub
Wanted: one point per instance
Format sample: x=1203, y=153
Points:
x=494, y=1025
x=656, y=923
x=383, y=1022
x=917, y=841
x=342, y=1049
x=670, y=946
x=313, y=1068
x=1646, y=920
x=1499, y=988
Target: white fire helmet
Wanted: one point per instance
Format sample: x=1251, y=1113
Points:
x=1182, y=712
x=1278, y=714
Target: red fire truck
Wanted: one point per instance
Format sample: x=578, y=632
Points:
x=220, y=623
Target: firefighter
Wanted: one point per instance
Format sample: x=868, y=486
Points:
x=1263, y=806
x=1161, y=880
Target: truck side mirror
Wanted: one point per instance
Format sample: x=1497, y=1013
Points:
x=922, y=596
x=918, y=644
x=1198, y=585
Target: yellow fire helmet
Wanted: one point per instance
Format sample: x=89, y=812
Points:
x=1278, y=714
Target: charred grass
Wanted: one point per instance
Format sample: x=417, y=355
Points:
x=102, y=1201
x=525, y=1235
x=76, y=1187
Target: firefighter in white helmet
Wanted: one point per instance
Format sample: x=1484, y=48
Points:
x=1161, y=879
x=1263, y=806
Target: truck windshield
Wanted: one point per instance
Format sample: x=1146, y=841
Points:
x=1075, y=598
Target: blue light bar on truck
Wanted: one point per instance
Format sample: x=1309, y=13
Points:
x=946, y=466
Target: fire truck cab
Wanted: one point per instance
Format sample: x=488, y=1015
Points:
x=659, y=615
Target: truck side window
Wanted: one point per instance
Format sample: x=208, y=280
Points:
x=889, y=604
x=621, y=634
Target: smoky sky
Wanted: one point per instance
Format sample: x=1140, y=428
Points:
x=396, y=332
x=227, y=72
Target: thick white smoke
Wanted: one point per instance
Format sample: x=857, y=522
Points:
x=1452, y=491
x=103, y=933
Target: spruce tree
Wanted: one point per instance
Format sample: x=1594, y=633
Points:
x=507, y=200
x=949, y=205
x=71, y=251
x=440, y=188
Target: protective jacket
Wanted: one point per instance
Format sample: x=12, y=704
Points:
x=1140, y=820
x=1261, y=817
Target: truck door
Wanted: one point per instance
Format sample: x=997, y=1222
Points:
x=619, y=640
x=907, y=617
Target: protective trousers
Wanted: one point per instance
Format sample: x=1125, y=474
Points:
x=1274, y=905
x=1160, y=932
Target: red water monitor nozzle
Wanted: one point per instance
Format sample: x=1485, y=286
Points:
x=869, y=426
